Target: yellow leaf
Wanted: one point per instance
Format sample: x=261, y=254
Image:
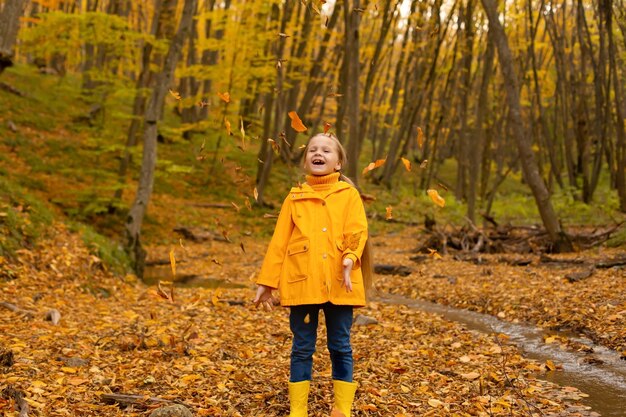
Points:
x=374, y=165
x=437, y=199
x=388, y=215
x=420, y=137
x=471, y=375
x=434, y=402
x=243, y=133
x=215, y=299
x=68, y=370
x=550, y=365
x=173, y=262
x=296, y=123
x=434, y=254
x=77, y=381
x=235, y=206
x=175, y=94
x=407, y=164
x=550, y=339
x=307, y=319
x=275, y=146
x=190, y=377
x=337, y=413
x=405, y=389
x=227, y=124
x=256, y=194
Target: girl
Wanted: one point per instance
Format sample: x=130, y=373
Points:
x=318, y=260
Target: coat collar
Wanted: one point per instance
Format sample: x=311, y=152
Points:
x=305, y=191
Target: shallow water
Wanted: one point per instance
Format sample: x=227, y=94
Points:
x=604, y=379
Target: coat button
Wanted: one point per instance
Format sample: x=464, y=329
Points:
x=323, y=229
x=323, y=203
x=324, y=256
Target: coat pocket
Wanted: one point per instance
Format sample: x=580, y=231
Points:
x=298, y=260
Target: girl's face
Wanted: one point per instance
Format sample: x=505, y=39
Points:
x=322, y=156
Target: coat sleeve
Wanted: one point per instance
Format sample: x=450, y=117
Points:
x=275, y=255
x=355, y=229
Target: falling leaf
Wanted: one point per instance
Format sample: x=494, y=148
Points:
x=358, y=10
x=161, y=292
x=255, y=192
x=241, y=129
x=275, y=146
x=388, y=215
x=215, y=298
x=175, y=94
x=327, y=127
x=407, y=164
x=307, y=319
x=283, y=35
x=224, y=96
x=243, y=248
x=236, y=207
x=443, y=187
x=352, y=241
x=248, y=205
x=550, y=365
x=225, y=234
x=227, y=124
x=296, y=123
x=437, y=199
x=334, y=95
x=374, y=165
x=420, y=137
x=216, y=262
x=173, y=262
x=203, y=103
x=424, y=164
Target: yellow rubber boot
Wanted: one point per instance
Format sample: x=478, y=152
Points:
x=299, y=398
x=344, y=396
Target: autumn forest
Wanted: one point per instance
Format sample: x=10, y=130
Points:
x=145, y=147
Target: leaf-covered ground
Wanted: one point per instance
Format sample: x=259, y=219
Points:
x=538, y=293
x=213, y=351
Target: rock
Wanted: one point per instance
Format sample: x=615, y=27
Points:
x=175, y=410
x=361, y=320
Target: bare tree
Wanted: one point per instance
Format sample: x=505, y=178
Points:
x=560, y=241
x=152, y=116
x=9, y=26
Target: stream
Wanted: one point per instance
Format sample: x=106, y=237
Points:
x=600, y=374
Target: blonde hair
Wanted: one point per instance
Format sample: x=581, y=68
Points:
x=367, y=268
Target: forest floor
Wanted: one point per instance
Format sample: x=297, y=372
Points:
x=211, y=350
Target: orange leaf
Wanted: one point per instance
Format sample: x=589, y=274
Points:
x=256, y=194
x=374, y=165
x=307, y=319
x=434, y=254
x=407, y=164
x=437, y=199
x=337, y=413
x=224, y=96
x=388, y=215
x=420, y=137
x=327, y=127
x=296, y=123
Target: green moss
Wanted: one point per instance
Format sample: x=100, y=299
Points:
x=111, y=253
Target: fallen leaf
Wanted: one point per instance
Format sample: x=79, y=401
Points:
x=471, y=376
x=173, y=262
x=388, y=215
x=434, y=254
x=434, y=402
x=175, y=94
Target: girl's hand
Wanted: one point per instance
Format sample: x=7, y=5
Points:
x=264, y=297
x=347, y=267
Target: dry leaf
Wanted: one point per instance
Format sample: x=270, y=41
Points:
x=296, y=123
x=420, y=137
x=327, y=127
x=434, y=254
x=437, y=199
x=275, y=146
x=337, y=413
x=256, y=194
x=407, y=164
x=227, y=124
x=283, y=35
x=388, y=215
x=243, y=248
x=175, y=94
x=216, y=262
x=424, y=164
x=433, y=402
x=236, y=207
x=224, y=96
x=173, y=262
x=471, y=376
x=374, y=165
x=243, y=133
x=307, y=319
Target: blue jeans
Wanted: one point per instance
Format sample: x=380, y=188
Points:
x=338, y=324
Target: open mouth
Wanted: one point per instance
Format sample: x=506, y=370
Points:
x=317, y=162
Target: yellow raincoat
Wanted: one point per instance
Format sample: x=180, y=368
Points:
x=315, y=231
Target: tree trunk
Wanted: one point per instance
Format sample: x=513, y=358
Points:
x=9, y=26
x=351, y=61
x=559, y=239
x=153, y=114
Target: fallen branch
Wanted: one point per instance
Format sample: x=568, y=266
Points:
x=137, y=400
x=27, y=313
x=10, y=89
x=18, y=397
x=392, y=270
